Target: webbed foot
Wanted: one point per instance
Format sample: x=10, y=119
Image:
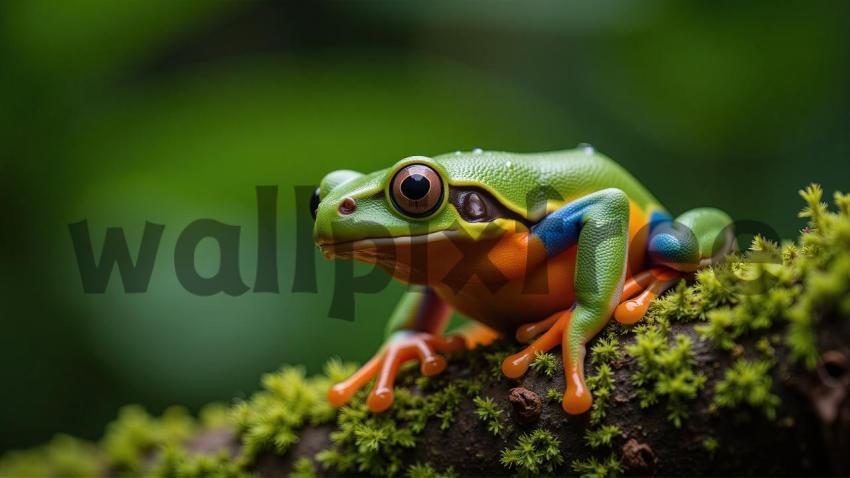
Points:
x=402, y=347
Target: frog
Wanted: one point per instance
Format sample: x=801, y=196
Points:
x=545, y=247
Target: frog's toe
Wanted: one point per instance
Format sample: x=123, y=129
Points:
x=429, y=362
x=577, y=398
x=525, y=333
x=448, y=344
x=660, y=279
x=423, y=346
x=380, y=399
x=381, y=396
x=517, y=364
x=340, y=393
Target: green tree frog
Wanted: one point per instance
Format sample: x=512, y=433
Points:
x=546, y=247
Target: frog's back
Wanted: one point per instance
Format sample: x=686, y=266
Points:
x=560, y=176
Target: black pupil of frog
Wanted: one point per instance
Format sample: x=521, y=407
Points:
x=415, y=186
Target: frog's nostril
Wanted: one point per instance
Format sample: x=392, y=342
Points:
x=347, y=206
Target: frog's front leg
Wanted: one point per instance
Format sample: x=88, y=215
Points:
x=413, y=332
x=599, y=223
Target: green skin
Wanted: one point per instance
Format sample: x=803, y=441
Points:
x=590, y=201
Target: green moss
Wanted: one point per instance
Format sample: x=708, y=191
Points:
x=424, y=470
x=593, y=468
x=603, y=436
x=554, y=395
x=821, y=260
x=602, y=386
x=535, y=453
x=303, y=468
x=545, y=363
x=368, y=443
x=665, y=371
x=135, y=434
x=606, y=350
x=63, y=456
x=747, y=383
x=175, y=462
x=710, y=444
x=489, y=413
x=752, y=313
x=764, y=347
x=271, y=418
x=495, y=359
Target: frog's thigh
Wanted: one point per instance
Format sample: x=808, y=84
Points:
x=600, y=223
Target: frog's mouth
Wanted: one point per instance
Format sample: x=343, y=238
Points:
x=382, y=249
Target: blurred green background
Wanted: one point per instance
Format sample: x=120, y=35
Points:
x=163, y=111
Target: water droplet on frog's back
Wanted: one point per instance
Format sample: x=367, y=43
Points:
x=477, y=151
x=586, y=147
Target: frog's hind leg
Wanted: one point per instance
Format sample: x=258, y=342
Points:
x=600, y=270
x=599, y=223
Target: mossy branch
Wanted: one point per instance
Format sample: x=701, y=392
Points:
x=746, y=370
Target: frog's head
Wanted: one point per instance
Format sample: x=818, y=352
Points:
x=413, y=219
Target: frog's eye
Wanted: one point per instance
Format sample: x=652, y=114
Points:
x=416, y=190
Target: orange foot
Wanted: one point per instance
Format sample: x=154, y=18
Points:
x=659, y=279
x=384, y=365
x=516, y=365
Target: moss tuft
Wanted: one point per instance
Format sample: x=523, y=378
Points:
x=303, y=468
x=603, y=436
x=174, y=461
x=271, y=418
x=710, y=444
x=554, y=395
x=420, y=470
x=63, y=456
x=602, y=386
x=135, y=434
x=665, y=371
x=368, y=443
x=606, y=350
x=534, y=453
x=593, y=468
x=545, y=363
x=747, y=383
x=489, y=413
